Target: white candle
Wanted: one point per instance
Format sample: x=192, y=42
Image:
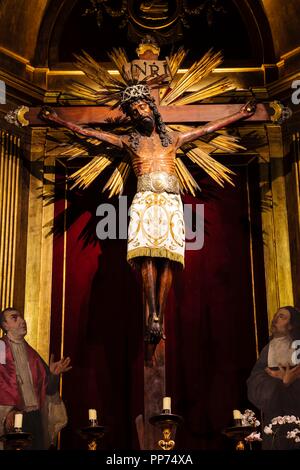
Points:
x=237, y=414
x=92, y=415
x=18, y=420
x=167, y=404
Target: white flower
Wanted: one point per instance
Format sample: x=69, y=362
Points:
x=268, y=430
x=249, y=419
x=287, y=419
x=254, y=436
x=277, y=420
x=291, y=419
x=291, y=434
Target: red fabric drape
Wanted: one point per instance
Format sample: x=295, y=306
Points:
x=10, y=394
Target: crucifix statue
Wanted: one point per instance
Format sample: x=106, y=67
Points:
x=156, y=234
x=148, y=111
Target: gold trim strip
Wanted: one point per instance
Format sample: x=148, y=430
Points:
x=270, y=314
x=291, y=53
x=154, y=252
x=180, y=71
x=16, y=196
x=63, y=307
x=64, y=72
x=252, y=266
x=2, y=210
x=4, y=219
x=9, y=193
x=10, y=218
x=15, y=56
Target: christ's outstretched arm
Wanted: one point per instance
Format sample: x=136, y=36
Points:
x=246, y=111
x=50, y=115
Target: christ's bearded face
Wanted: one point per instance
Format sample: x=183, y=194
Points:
x=142, y=114
x=281, y=323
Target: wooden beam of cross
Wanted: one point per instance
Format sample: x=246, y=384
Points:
x=192, y=114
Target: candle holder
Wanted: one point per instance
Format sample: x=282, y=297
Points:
x=16, y=440
x=93, y=434
x=168, y=424
x=238, y=433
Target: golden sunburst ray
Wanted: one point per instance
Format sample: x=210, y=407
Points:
x=84, y=147
x=116, y=182
x=84, y=177
x=175, y=61
x=227, y=143
x=219, y=140
x=119, y=58
x=83, y=91
x=218, y=172
x=193, y=75
x=95, y=72
x=213, y=89
x=186, y=180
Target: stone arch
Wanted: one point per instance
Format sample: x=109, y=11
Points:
x=29, y=28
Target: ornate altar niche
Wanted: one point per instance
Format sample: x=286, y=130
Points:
x=263, y=179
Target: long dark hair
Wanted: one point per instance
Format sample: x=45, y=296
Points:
x=134, y=138
x=294, y=321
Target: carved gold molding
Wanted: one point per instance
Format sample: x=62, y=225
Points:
x=275, y=228
x=14, y=56
x=17, y=116
x=288, y=55
x=38, y=285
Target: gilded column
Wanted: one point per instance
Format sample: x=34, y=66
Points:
x=9, y=200
x=39, y=246
x=278, y=270
x=293, y=202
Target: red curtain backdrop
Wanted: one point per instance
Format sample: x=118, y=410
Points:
x=210, y=346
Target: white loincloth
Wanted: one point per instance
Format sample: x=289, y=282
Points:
x=156, y=227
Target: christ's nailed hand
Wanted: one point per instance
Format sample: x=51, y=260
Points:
x=47, y=113
x=249, y=108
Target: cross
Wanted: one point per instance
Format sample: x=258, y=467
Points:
x=171, y=113
x=154, y=365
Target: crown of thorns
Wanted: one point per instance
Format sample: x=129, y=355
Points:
x=135, y=91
